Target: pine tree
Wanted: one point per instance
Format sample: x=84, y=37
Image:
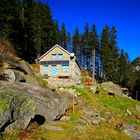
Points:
x=47, y=24
x=29, y=26
x=63, y=36
x=123, y=68
x=8, y=9
x=94, y=44
x=105, y=54
x=9, y=15
x=114, y=56
x=28, y=50
x=85, y=48
x=56, y=33
x=68, y=41
x=76, y=44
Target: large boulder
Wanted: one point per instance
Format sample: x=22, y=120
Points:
x=21, y=102
x=112, y=88
x=17, y=64
x=9, y=75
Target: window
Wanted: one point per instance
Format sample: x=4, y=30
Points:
x=46, y=68
x=65, y=67
x=54, y=70
x=60, y=56
x=53, y=56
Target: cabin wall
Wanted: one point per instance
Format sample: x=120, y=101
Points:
x=73, y=72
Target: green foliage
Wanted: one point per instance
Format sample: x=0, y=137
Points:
x=85, y=93
x=45, y=76
x=73, y=129
x=75, y=116
x=29, y=26
x=118, y=102
x=63, y=36
x=42, y=82
x=136, y=62
x=68, y=42
x=76, y=44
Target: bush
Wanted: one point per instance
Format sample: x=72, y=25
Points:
x=45, y=76
x=6, y=50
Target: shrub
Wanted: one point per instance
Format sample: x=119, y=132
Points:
x=6, y=50
x=45, y=76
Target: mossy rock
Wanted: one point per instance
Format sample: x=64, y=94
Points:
x=21, y=102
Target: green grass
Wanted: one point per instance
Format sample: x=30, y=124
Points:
x=102, y=103
x=42, y=82
x=69, y=133
x=85, y=93
x=75, y=116
x=117, y=102
x=116, y=105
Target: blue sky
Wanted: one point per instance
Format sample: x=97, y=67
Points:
x=124, y=14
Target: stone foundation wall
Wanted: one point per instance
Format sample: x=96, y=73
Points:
x=62, y=82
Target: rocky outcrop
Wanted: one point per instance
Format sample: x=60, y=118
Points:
x=112, y=88
x=15, y=69
x=131, y=131
x=21, y=102
x=17, y=64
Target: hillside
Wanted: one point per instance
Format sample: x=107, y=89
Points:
x=100, y=117
x=38, y=112
x=136, y=64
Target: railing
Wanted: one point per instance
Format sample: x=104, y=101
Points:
x=55, y=62
x=87, y=83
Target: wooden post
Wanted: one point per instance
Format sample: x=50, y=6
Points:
x=93, y=64
x=136, y=95
x=73, y=107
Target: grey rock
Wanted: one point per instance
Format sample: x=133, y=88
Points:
x=86, y=120
x=130, y=130
x=91, y=119
x=19, y=64
x=111, y=87
x=138, y=108
x=65, y=118
x=128, y=112
x=53, y=128
x=20, y=102
x=96, y=121
x=79, y=128
x=125, y=91
x=9, y=75
x=88, y=112
x=20, y=78
x=119, y=127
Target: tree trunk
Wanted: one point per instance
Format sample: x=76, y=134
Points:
x=93, y=65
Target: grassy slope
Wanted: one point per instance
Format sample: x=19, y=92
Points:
x=111, y=108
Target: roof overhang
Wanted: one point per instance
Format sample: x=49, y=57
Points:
x=52, y=49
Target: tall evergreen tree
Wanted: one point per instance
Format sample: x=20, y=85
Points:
x=47, y=24
x=105, y=54
x=76, y=44
x=85, y=48
x=114, y=56
x=124, y=69
x=56, y=33
x=94, y=45
x=7, y=19
x=68, y=42
x=63, y=36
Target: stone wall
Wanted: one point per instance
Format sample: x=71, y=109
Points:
x=62, y=82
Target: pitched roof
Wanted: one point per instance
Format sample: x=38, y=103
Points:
x=52, y=49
